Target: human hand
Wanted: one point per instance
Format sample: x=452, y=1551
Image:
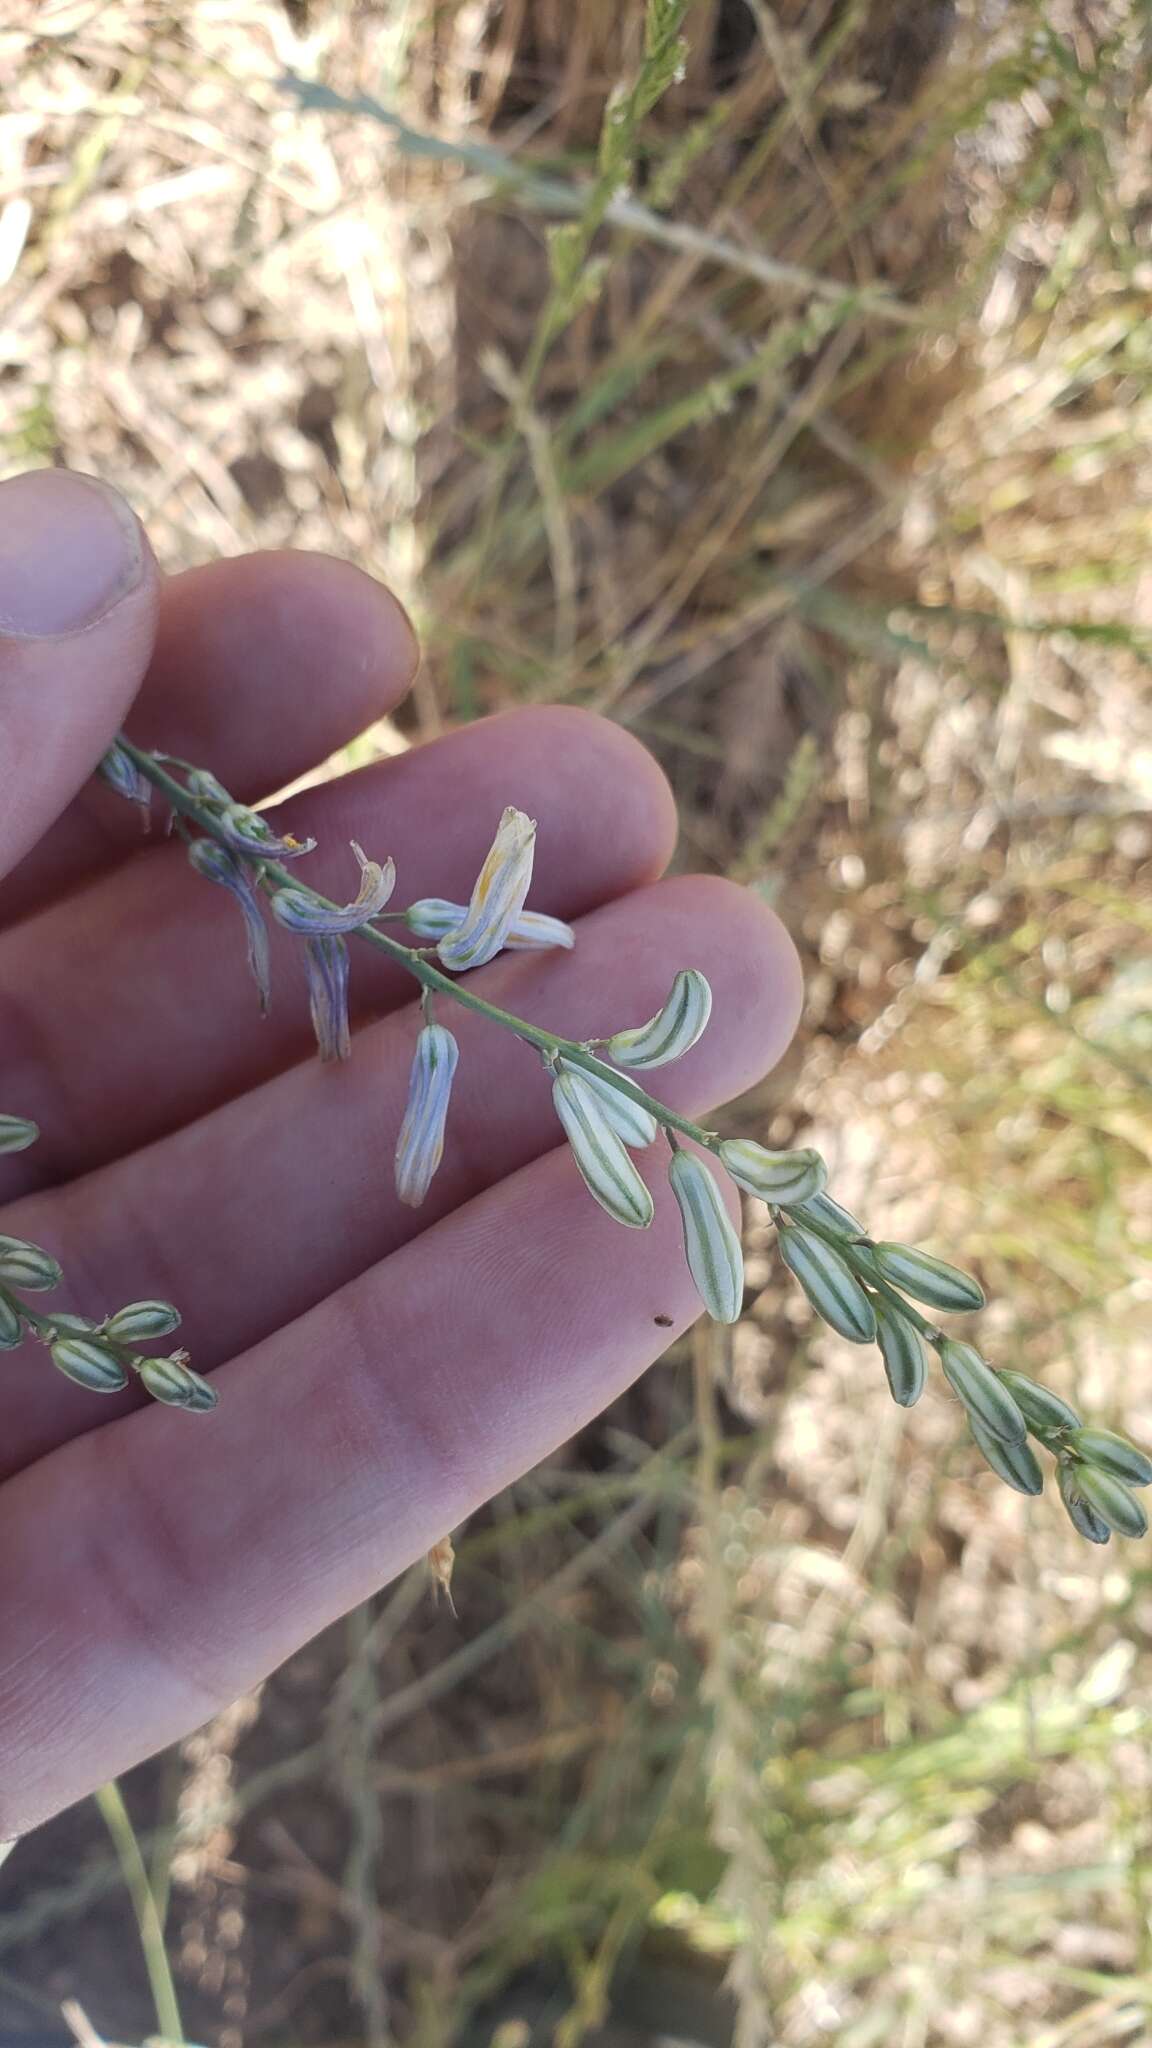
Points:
x=382, y=1371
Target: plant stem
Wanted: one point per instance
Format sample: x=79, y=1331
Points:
x=110, y=1801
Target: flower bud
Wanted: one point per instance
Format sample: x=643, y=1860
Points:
x=433, y=918
x=830, y=1216
x=1111, y=1500
x=903, y=1354
x=927, y=1279
x=25, y=1265
x=326, y=965
x=497, y=898
x=1112, y=1454
x=141, y=1321
x=711, y=1245
x=830, y=1284
x=1042, y=1409
x=1015, y=1464
x=11, y=1326
x=170, y=1380
x=1084, y=1519
x=216, y=864
x=674, y=1028
x=420, y=1145
x=608, y=1173
x=630, y=1120
x=120, y=772
x=982, y=1391
x=298, y=910
x=16, y=1134
x=782, y=1178
x=250, y=833
x=89, y=1363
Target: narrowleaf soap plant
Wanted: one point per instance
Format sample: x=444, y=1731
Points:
x=866, y=1291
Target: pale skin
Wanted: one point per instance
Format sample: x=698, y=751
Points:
x=382, y=1372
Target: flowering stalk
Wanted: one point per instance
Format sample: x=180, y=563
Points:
x=862, y=1289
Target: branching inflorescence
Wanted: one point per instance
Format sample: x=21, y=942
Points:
x=864, y=1290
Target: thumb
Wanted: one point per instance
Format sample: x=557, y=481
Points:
x=78, y=594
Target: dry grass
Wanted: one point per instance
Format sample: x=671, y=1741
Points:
x=759, y=1678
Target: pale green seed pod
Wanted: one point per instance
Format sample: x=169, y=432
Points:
x=830, y=1284
x=141, y=1321
x=903, y=1354
x=25, y=1265
x=782, y=1178
x=17, y=1133
x=982, y=1391
x=1083, y=1518
x=608, y=1173
x=829, y=1215
x=672, y=1031
x=1112, y=1454
x=420, y=1146
x=711, y=1244
x=89, y=1363
x=1042, y=1409
x=497, y=898
x=1112, y=1501
x=630, y=1120
x=1015, y=1464
x=927, y=1279
x=11, y=1326
x=171, y=1381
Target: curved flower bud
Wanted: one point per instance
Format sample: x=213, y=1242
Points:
x=433, y=917
x=608, y=1173
x=326, y=964
x=11, y=1326
x=216, y=864
x=672, y=1031
x=1084, y=1519
x=497, y=898
x=927, y=1279
x=17, y=1133
x=248, y=832
x=982, y=1391
x=420, y=1145
x=1112, y=1454
x=25, y=1265
x=298, y=910
x=711, y=1243
x=782, y=1178
x=1040, y=1407
x=170, y=1380
x=89, y=1363
x=829, y=1283
x=903, y=1354
x=829, y=1215
x=630, y=1120
x=1111, y=1500
x=200, y=782
x=142, y=1321
x=120, y=772
x=1016, y=1464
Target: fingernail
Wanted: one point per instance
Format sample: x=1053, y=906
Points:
x=69, y=551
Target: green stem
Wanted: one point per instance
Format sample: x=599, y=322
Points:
x=110, y=1801
x=413, y=960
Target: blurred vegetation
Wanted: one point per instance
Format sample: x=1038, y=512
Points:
x=785, y=396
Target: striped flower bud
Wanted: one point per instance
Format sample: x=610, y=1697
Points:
x=778, y=1177
x=829, y=1282
x=1112, y=1454
x=17, y=1133
x=903, y=1354
x=1111, y=1500
x=830, y=1216
x=216, y=864
x=89, y=1363
x=433, y=917
x=298, y=910
x=497, y=898
x=672, y=1031
x=326, y=965
x=630, y=1120
x=1041, y=1408
x=120, y=772
x=1015, y=1464
x=11, y=1326
x=711, y=1244
x=25, y=1265
x=421, y=1142
x=599, y=1153
x=170, y=1380
x=981, y=1391
x=142, y=1321
x=927, y=1279
x=1084, y=1519
x=249, y=833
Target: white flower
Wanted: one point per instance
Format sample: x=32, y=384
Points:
x=497, y=898
x=420, y=1145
